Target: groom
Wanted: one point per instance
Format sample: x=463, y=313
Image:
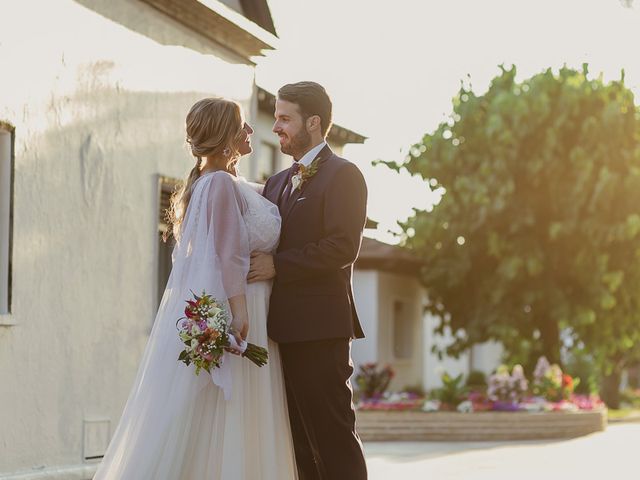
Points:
x=322, y=200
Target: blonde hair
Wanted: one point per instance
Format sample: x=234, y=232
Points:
x=214, y=129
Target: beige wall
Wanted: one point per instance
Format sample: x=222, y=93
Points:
x=365, y=293
x=375, y=293
x=392, y=287
x=98, y=105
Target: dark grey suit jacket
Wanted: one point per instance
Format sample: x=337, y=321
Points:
x=322, y=223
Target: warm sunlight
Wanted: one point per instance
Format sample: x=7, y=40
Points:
x=392, y=73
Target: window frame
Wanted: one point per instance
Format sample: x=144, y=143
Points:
x=407, y=304
x=6, y=317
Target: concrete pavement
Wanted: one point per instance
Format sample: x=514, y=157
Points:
x=613, y=454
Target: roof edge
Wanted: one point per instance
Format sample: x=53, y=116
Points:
x=220, y=23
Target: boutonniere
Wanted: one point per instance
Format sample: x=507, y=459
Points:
x=304, y=174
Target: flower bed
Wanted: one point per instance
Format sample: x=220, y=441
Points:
x=508, y=408
x=479, y=403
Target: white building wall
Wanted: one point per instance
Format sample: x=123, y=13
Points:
x=434, y=367
x=486, y=357
x=98, y=106
x=375, y=293
x=392, y=287
x=365, y=292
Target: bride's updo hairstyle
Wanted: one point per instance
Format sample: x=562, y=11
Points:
x=214, y=129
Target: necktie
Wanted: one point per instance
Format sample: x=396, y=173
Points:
x=295, y=168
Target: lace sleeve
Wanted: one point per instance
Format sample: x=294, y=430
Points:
x=228, y=232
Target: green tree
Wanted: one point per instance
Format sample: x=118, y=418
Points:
x=536, y=240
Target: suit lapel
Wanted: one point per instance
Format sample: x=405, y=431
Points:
x=275, y=192
x=289, y=204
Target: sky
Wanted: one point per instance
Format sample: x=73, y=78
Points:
x=393, y=67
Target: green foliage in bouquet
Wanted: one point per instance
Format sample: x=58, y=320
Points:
x=204, y=332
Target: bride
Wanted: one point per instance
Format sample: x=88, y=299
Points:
x=179, y=426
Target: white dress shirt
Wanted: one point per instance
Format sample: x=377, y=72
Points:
x=306, y=160
x=311, y=154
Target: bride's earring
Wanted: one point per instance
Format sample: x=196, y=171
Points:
x=226, y=152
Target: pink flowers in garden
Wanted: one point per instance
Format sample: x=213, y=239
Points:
x=550, y=383
x=508, y=387
x=507, y=390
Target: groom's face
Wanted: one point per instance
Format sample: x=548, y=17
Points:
x=291, y=128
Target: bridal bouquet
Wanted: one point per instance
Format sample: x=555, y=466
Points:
x=204, y=331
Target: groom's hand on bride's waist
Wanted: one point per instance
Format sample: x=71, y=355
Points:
x=261, y=267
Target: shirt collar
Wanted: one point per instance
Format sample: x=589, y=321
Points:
x=311, y=154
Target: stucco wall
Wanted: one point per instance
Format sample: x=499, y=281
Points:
x=365, y=293
x=405, y=288
x=375, y=293
x=486, y=357
x=98, y=103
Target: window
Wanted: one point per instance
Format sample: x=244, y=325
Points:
x=267, y=161
x=6, y=214
x=166, y=187
x=402, y=330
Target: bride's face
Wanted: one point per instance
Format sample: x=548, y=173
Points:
x=244, y=146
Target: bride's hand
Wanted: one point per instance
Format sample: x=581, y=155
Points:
x=239, y=328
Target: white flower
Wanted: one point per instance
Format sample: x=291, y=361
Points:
x=568, y=407
x=533, y=406
x=296, y=180
x=465, y=407
x=431, y=406
x=395, y=397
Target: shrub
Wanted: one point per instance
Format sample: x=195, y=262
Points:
x=373, y=382
x=452, y=392
x=416, y=390
x=476, y=379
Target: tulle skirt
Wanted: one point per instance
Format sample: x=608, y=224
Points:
x=245, y=438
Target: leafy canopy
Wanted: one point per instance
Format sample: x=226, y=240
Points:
x=537, y=234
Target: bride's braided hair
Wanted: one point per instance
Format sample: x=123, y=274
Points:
x=214, y=129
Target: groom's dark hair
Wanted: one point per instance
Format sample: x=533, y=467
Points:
x=312, y=99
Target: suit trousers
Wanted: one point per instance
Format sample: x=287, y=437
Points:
x=321, y=412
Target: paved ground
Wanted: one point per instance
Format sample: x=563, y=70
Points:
x=613, y=454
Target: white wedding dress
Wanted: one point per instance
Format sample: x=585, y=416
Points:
x=179, y=426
